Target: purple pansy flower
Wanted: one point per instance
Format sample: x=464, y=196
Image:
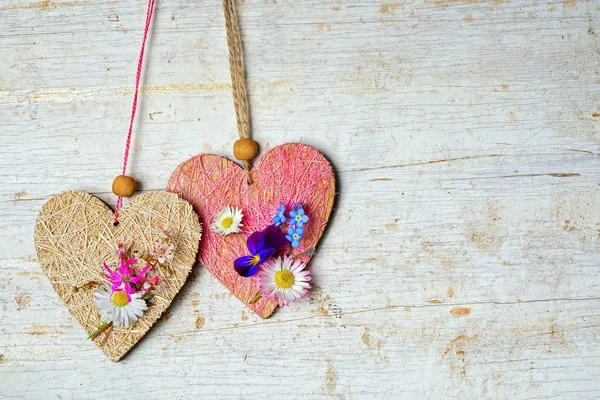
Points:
x=261, y=245
x=125, y=278
x=279, y=217
x=297, y=217
x=294, y=235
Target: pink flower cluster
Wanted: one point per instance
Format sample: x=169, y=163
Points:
x=126, y=277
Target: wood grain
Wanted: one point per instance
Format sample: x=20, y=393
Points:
x=466, y=139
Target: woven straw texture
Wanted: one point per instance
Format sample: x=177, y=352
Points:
x=292, y=172
x=74, y=235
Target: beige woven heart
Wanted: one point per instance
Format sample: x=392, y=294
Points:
x=75, y=235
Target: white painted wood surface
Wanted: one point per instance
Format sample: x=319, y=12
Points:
x=462, y=260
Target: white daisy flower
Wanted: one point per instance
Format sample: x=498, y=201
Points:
x=168, y=233
x=284, y=280
x=155, y=282
x=163, y=250
x=115, y=307
x=160, y=287
x=228, y=221
x=121, y=248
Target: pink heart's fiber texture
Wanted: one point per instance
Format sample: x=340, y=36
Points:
x=286, y=174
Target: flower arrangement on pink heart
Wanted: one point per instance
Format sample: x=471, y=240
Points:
x=281, y=275
x=131, y=283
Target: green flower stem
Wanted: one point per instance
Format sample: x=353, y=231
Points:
x=108, y=331
x=100, y=329
x=88, y=285
x=255, y=298
x=242, y=239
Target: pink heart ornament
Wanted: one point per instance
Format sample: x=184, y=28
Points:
x=289, y=173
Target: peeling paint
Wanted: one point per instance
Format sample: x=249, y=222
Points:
x=48, y=4
x=458, y=312
x=47, y=330
x=22, y=301
x=390, y=8
x=331, y=378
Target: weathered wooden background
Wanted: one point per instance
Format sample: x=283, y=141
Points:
x=462, y=260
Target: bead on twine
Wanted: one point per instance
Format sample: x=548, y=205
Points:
x=245, y=149
x=124, y=186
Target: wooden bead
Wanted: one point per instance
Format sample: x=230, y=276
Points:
x=245, y=149
x=124, y=185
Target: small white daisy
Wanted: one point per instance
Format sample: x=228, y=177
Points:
x=121, y=248
x=168, y=233
x=228, y=221
x=284, y=280
x=163, y=250
x=155, y=282
x=160, y=287
x=115, y=307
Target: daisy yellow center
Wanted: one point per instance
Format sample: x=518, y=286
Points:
x=120, y=299
x=284, y=279
x=227, y=222
x=254, y=260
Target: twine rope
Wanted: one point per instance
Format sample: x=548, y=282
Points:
x=138, y=75
x=238, y=82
